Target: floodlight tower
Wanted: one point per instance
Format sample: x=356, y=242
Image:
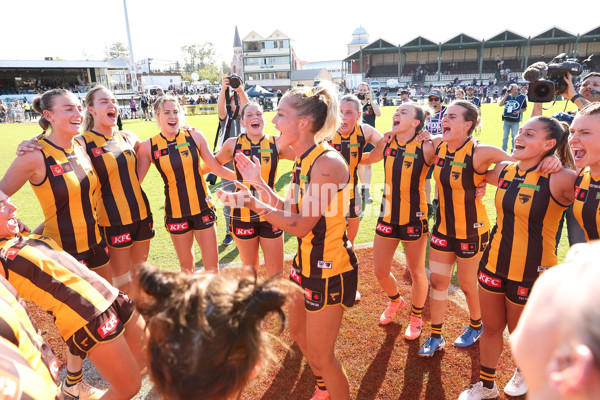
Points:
x=134, y=82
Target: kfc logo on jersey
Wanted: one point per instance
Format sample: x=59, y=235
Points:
x=98, y=151
x=295, y=277
x=325, y=264
x=439, y=161
x=580, y=194
x=521, y=291
x=108, y=326
x=439, y=241
x=488, y=280
x=120, y=239
x=384, y=228
x=178, y=227
x=244, y=232
x=468, y=246
x=13, y=251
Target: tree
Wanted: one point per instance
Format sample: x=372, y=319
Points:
x=198, y=56
x=116, y=50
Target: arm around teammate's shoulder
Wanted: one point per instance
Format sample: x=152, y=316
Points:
x=562, y=186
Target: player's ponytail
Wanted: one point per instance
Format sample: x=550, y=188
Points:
x=559, y=131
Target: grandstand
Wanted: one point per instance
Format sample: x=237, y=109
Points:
x=463, y=59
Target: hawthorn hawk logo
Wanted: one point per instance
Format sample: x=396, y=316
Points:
x=455, y=175
x=524, y=198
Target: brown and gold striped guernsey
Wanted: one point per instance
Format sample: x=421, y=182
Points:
x=180, y=166
x=18, y=327
x=351, y=147
x=44, y=274
x=326, y=250
x=586, y=207
x=266, y=151
x=18, y=375
x=523, y=241
x=68, y=195
x=404, y=191
x=122, y=200
x=460, y=215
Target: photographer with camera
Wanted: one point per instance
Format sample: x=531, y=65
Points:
x=370, y=111
x=229, y=107
x=514, y=105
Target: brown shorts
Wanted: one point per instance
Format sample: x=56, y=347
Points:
x=106, y=327
x=95, y=257
x=463, y=248
x=123, y=236
x=319, y=293
x=250, y=230
x=407, y=233
x=199, y=222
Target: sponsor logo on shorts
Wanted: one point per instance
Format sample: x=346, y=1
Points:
x=54, y=368
x=580, y=194
x=313, y=298
x=411, y=230
x=439, y=241
x=295, y=277
x=324, y=264
x=206, y=218
x=333, y=297
x=108, y=326
x=275, y=229
x=82, y=262
x=521, y=291
x=178, y=227
x=468, y=246
x=489, y=281
x=120, y=239
x=244, y=232
x=384, y=228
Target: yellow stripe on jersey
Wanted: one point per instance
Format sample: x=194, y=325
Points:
x=325, y=251
x=523, y=242
x=404, y=191
x=17, y=326
x=180, y=166
x=586, y=207
x=122, y=199
x=460, y=214
x=44, y=274
x=68, y=195
x=19, y=380
x=266, y=151
x=351, y=148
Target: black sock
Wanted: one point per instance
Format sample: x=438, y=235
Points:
x=436, y=330
x=73, y=378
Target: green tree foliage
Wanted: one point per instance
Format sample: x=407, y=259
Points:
x=116, y=50
x=200, y=58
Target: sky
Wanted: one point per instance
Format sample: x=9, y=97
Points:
x=80, y=29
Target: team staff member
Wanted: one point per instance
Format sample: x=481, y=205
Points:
x=585, y=143
x=461, y=229
x=350, y=141
x=93, y=317
x=370, y=111
x=315, y=211
x=433, y=125
x=530, y=205
x=249, y=229
x=178, y=155
x=403, y=212
x=514, y=105
x=123, y=209
x=23, y=349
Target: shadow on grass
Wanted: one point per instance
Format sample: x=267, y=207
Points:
x=286, y=378
x=415, y=370
x=375, y=375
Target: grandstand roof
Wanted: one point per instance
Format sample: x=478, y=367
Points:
x=593, y=32
x=420, y=42
x=462, y=38
x=54, y=64
x=506, y=36
x=554, y=33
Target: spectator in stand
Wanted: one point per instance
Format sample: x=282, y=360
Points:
x=472, y=98
x=514, y=106
x=370, y=111
x=404, y=97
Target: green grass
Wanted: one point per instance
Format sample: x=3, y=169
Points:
x=162, y=252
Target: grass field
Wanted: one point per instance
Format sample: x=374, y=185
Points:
x=162, y=252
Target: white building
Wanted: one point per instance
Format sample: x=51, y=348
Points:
x=269, y=61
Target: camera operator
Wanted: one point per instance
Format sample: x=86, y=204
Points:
x=590, y=93
x=370, y=110
x=229, y=107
